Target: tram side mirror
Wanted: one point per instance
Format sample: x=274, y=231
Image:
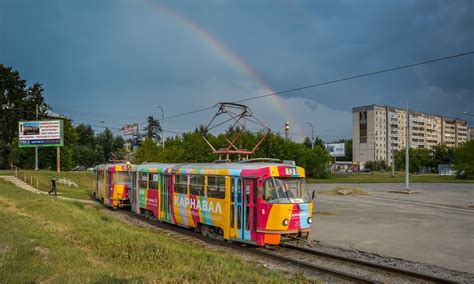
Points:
x=313, y=195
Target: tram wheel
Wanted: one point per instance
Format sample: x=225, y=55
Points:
x=205, y=230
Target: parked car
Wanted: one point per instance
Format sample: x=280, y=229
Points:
x=79, y=168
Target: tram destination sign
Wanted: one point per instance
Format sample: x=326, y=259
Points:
x=44, y=133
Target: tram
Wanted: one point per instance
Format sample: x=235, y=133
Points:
x=113, y=183
x=260, y=203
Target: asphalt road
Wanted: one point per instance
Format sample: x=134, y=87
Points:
x=435, y=225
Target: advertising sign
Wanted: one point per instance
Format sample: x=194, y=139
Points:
x=336, y=149
x=44, y=133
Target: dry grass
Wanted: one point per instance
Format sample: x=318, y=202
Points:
x=344, y=191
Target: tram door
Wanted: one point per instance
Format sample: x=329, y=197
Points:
x=133, y=193
x=244, y=204
x=109, y=185
x=166, y=198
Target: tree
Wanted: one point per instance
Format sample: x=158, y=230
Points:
x=348, y=150
x=147, y=152
x=153, y=129
x=105, y=142
x=85, y=135
x=419, y=158
x=307, y=142
x=17, y=102
x=86, y=151
x=464, y=160
x=442, y=155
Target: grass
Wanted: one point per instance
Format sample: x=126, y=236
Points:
x=84, y=181
x=48, y=240
x=378, y=177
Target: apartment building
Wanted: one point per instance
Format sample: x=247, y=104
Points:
x=379, y=131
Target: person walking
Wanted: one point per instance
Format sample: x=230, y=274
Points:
x=52, y=187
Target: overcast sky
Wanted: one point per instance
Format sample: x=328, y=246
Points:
x=110, y=62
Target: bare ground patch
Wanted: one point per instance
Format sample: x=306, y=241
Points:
x=344, y=190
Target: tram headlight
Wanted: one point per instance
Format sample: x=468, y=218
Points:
x=310, y=220
x=286, y=222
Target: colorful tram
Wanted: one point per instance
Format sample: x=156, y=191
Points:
x=113, y=184
x=256, y=203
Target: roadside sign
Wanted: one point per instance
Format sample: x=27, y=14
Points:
x=42, y=133
x=336, y=149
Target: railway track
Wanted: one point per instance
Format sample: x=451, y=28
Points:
x=388, y=273
x=336, y=266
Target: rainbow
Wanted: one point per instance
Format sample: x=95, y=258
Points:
x=230, y=56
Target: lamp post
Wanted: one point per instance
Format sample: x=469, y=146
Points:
x=162, y=119
x=312, y=133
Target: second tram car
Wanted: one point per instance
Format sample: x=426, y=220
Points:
x=113, y=184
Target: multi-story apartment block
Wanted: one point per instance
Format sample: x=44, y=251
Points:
x=379, y=131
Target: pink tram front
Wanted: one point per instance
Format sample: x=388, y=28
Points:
x=256, y=203
x=113, y=183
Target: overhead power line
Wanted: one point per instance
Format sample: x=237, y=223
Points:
x=334, y=81
x=310, y=86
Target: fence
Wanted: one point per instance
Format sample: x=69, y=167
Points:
x=29, y=179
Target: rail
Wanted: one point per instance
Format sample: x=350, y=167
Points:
x=391, y=269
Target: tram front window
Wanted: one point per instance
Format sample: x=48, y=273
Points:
x=286, y=190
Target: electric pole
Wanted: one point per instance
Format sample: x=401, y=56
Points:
x=287, y=129
x=407, y=152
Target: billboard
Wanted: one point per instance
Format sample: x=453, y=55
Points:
x=44, y=133
x=336, y=149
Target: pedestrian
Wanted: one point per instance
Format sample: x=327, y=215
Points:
x=52, y=187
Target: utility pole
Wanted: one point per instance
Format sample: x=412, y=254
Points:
x=287, y=129
x=162, y=130
x=312, y=133
x=36, y=147
x=407, y=152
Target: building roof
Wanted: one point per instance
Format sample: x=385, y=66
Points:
x=371, y=107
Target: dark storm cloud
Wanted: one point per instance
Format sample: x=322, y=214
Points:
x=126, y=56
x=320, y=41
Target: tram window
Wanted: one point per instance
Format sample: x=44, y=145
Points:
x=255, y=192
x=180, y=184
x=239, y=216
x=232, y=216
x=196, y=185
x=153, y=181
x=142, y=180
x=232, y=189
x=216, y=187
x=247, y=191
x=134, y=178
x=247, y=218
x=100, y=180
x=269, y=190
x=239, y=190
x=122, y=178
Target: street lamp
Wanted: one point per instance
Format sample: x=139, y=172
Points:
x=162, y=119
x=312, y=133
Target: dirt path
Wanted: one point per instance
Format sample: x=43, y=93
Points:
x=23, y=185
